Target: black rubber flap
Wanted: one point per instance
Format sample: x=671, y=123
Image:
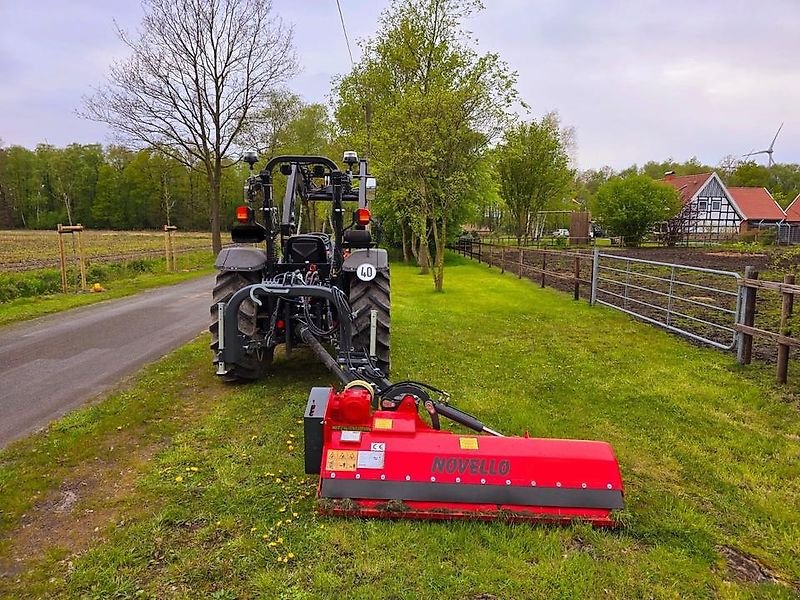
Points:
x=471, y=493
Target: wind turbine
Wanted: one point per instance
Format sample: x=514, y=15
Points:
x=769, y=150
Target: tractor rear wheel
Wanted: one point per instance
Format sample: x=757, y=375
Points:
x=366, y=296
x=254, y=365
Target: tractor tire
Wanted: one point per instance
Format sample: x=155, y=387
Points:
x=253, y=366
x=366, y=296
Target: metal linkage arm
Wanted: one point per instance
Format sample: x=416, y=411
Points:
x=301, y=160
x=231, y=349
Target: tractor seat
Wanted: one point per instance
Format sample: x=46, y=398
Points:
x=357, y=238
x=308, y=248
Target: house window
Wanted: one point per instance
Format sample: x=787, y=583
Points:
x=702, y=205
x=716, y=204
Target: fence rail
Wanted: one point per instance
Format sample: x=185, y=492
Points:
x=566, y=270
x=696, y=302
x=711, y=306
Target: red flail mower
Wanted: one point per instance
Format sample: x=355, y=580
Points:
x=377, y=457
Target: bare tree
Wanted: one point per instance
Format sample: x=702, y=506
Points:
x=197, y=69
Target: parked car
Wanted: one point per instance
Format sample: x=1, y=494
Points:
x=561, y=233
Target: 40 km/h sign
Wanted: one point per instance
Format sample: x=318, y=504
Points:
x=366, y=272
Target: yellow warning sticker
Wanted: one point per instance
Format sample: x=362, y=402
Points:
x=468, y=443
x=383, y=423
x=341, y=460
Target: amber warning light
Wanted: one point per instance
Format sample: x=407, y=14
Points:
x=362, y=216
x=243, y=214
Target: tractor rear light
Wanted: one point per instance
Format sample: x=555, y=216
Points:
x=280, y=324
x=362, y=216
x=243, y=214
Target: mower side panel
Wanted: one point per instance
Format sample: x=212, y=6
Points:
x=397, y=469
x=377, y=257
x=313, y=419
x=241, y=259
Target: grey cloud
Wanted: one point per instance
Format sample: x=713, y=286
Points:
x=639, y=80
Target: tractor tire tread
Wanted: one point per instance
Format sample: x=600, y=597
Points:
x=364, y=297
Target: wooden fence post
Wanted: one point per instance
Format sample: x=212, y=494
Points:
x=577, y=294
x=745, y=351
x=169, y=248
x=63, y=256
x=786, y=312
x=502, y=259
x=490, y=255
x=544, y=265
x=519, y=274
x=81, y=257
x=480, y=246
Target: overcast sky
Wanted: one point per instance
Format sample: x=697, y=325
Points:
x=639, y=79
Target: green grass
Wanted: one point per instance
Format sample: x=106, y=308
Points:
x=709, y=453
x=119, y=280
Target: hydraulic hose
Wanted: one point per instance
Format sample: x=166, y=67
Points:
x=323, y=355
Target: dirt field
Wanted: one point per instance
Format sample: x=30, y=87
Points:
x=22, y=250
x=725, y=260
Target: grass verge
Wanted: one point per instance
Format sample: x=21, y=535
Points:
x=123, y=279
x=219, y=506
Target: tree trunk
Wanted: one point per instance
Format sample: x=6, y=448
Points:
x=438, y=266
x=406, y=257
x=214, y=180
x=520, y=226
x=414, y=245
x=423, y=257
x=68, y=205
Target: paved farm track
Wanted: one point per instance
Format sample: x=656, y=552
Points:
x=53, y=364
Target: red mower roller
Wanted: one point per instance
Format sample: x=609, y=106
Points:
x=377, y=457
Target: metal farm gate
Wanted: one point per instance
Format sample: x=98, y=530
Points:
x=700, y=303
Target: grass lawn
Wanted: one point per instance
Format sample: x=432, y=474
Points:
x=181, y=487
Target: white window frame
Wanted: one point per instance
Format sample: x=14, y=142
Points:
x=702, y=204
x=716, y=204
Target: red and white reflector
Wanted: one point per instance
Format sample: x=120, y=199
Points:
x=243, y=214
x=363, y=216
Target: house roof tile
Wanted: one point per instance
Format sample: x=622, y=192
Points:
x=757, y=203
x=793, y=210
x=687, y=185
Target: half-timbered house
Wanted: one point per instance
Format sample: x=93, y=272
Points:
x=713, y=212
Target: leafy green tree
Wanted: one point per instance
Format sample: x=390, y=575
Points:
x=265, y=129
x=749, y=174
x=588, y=182
x=533, y=170
x=630, y=206
x=784, y=182
x=20, y=186
x=426, y=106
x=656, y=169
x=7, y=217
x=309, y=132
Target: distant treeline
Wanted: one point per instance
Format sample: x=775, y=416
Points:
x=107, y=187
